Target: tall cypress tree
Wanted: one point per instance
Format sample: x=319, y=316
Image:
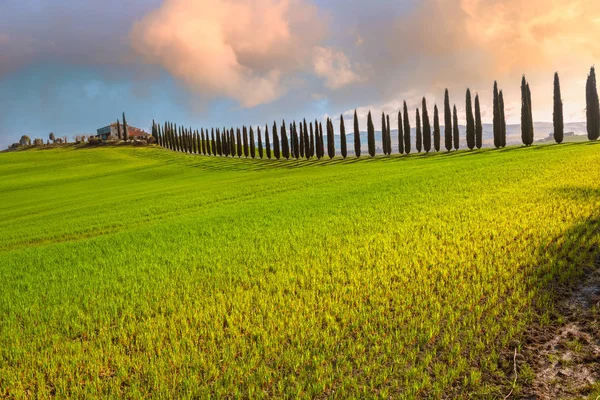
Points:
x=240, y=150
x=384, y=133
x=125, y=129
x=502, y=120
x=389, y=135
x=447, y=122
x=285, y=144
x=317, y=141
x=418, y=134
x=426, y=128
x=118, y=129
x=292, y=151
x=526, y=123
x=194, y=149
x=267, y=142
x=232, y=144
x=301, y=135
x=219, y=143
x=400, y=134
x=260, y=143
x=455, y=131
x=321, y=142
x=496, y=120
x=311, y=145
x=557, y=115
x=252, y=144
x=356, y=136
x=592, y=106
x=531, y=133
x=478, y=124
x=225, y=141
x=245, y=139
x=296, y=142
x=470, y=122
x=276, y=149
x=331, y=140
x=371, y=135
x=306, y=141
x=406, y=130
x=202, y=141
x=343, y=145
x=436, y=128
x=213, y=143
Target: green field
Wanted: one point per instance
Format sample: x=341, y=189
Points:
x=139, y=272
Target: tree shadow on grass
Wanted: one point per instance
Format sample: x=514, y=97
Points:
x=564, y=266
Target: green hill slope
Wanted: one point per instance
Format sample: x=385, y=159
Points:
x=139, y=272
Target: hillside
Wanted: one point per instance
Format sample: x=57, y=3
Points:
x=139, y=272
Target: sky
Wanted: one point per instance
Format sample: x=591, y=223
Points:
x=72, y=66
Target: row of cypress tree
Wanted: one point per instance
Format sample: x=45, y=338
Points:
x=306, y=139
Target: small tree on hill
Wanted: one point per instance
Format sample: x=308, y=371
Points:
x=245, y=141
x=267, y=142
x=389, y=135
x=330, y=139
x=240, y=150
x=301, y=138
x=260, y=143
x=371, y=135
x=285, y=143
x=436, y=128
x=383, y=133
x=295, y=141
x=496, y=120
x=119, y=130
x=52, y=137
x=306, y=141
x=357, y=144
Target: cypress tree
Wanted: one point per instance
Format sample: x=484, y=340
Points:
x=276, y=150
x=400, y=134
x=194, y=148
x=125, y=129
x=436, y=128
x=455, y=131
x=158, y=137
x=245, y=140
x=526, y=123
x=306, y=140
x=202, y=141
x=478, y=124
x=321, y=143
x=557, y=115
x=383, y=133
x=502, y=120
x=232, y=144
x=213, y=144
x=238, y=134
x=356, y=136
x=447, y=122
x=177, y=133
x=531, y=133
x=118, y=129
x=496, y=120
x=153, y=129
x=219, y=144
x=470, y=122
x=389, y=135
x=267, y=141
x=226, y=136
x=285, y=144
x=296, y=141
x=371, y=135
x=592, y=106
x=418, y=134
x=302, y=144
x=311, y=144
x=426, y=128
x=343, y=145
x=330, y=139
x=260, y=143
x=252, y=144
x=291, y=141
x=406, y=122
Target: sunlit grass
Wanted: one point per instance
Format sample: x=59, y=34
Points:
x=140, y=272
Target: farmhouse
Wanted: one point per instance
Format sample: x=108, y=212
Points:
x=110, y=132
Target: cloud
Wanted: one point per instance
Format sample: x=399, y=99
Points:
x=333, y=66
x=232, y=48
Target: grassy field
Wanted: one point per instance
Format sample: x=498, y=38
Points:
x=138, y=272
